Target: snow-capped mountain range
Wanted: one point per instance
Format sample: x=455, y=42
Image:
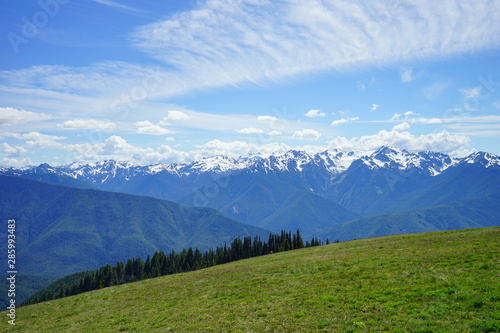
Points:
x=313, y=192
x=333, y=161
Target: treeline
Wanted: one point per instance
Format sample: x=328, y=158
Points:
x=161, y=264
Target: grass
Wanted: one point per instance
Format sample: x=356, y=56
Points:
x=432, y=282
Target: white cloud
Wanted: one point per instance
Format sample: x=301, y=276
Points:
x=227, y=42
x=37, y=139
x=267, y=118
x=117, y=5
x=237, y=148
x=374, y=107
x=90, y=124
x=12, y=116
x=343, y=121
x=144, y=123
x=117, y=148
x=222, y=43
x=401, y=127
x=429, y=120
x=174, y=115
x=250, y=130
x=442, y=141
x=410, y=113
x=307, y=134
x=396, y=116
x=15, y=162
x=313, y=113
x=273, y=133
x=11, y=151
x=154, y=130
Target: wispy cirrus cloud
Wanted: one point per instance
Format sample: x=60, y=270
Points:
x=224, y=42
x=117, y=5
x=262, y=40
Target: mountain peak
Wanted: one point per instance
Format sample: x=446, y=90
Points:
x=389, y=150
x=483, y=158
x=334, y=161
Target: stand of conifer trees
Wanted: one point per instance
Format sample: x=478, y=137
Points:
x=161, y=264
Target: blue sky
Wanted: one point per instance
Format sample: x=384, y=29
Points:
x=174, y=81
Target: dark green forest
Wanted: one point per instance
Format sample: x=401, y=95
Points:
x=160, y=264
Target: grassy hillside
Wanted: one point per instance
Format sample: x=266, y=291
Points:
x=433, y=282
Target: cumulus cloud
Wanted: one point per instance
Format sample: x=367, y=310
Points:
x=117, y=148
x=37, y=139
x=374, y=107
x=88, y=124
x=12, y=151
x=273, y=133
x=153, y=130
x=267, y=118
x=12, y=116
x=173, y=115
x=250, y=130
x=401, y=127
x=442, y=141
x=410, y=113
x=144, y=123
x=313, y=113
x=343, y=121
x=15, y=162
x=307, y=134
x=237, y=148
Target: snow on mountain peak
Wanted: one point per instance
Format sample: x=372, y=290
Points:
x=217, y=163
x=394, y=158
x=333, y=161
x=485, y=159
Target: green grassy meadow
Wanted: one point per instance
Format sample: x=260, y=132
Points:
x=432, y=282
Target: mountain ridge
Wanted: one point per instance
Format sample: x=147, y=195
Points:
x=295, y=188
x=335, y=161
